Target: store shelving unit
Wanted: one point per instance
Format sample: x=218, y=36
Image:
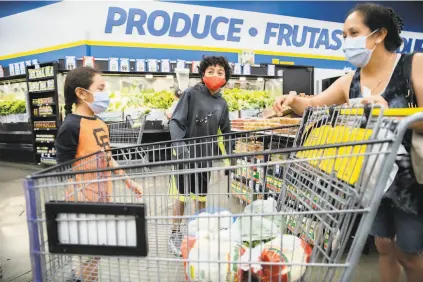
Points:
x=15, y=136
x=44, y=110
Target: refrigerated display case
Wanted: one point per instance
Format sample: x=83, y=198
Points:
x=15, y=130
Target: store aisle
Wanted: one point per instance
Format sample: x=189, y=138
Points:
x=14, y=253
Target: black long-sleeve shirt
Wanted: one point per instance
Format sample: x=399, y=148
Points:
x=200, y=114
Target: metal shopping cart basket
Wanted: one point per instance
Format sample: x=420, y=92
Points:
x=87, y=224
x=129, y=133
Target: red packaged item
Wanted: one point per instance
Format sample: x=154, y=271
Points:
x=293, y=250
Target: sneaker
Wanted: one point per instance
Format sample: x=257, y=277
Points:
x=175, y=241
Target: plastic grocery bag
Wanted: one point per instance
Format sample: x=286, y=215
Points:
x=253, y=228
x=286, y=249
x=373, y=167
x=262, y=206
x=206, y=248
x=210, y=222
x=268, y=206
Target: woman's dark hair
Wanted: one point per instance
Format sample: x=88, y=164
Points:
x=378, y=17
x=79, y=77
x=213, y=61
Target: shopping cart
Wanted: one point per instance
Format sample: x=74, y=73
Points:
x=128, y=133
x=302, y=204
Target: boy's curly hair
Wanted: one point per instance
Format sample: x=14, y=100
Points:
x=213, y=61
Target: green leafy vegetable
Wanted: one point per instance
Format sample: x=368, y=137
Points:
x=241, y=99
x=12, y=107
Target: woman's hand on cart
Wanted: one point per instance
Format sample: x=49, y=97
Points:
x=376, y=100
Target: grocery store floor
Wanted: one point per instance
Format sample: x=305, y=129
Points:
x=14, y=245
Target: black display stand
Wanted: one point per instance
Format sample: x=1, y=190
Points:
x=44, y=111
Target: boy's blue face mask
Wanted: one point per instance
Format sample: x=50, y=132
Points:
x=101, y=101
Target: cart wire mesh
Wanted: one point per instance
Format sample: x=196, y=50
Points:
x=310, y=203
x=127, y=132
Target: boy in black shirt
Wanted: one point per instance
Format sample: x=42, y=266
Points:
x=201, y=111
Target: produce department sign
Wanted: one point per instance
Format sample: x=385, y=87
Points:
x=158, y=25
x=237, y=29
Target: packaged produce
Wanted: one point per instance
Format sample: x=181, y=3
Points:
x=254, y=228
x=210, y=222
x=282, y=251
x=207, y=249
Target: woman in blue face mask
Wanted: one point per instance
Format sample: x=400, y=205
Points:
x=372, y=35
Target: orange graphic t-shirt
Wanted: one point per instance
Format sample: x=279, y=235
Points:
x=81, y=136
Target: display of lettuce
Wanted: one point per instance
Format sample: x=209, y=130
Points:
x=242, y=99
x=145, y=99
x=12, y=107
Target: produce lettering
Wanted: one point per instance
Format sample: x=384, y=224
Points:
x=288, y=35
x=158, y=23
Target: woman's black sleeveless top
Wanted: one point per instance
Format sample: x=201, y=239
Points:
x=405, y=192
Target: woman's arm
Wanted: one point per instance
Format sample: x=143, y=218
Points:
x=336, y=94
x=417, y=79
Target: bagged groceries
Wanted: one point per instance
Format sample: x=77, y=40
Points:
x=211, y=251
x=251, y=229
x=244, y=243
x=210, y=222
x=283, y=251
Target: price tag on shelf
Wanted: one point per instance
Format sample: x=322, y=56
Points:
x=124, y=65
x=242, y=78
x=165, y=66
x=149, y=76
x=152, y=65
x=17, y=69
x=237, y=68
x=180, y=64
x=271, y=70
x=113, y=64
x=246, y=70
x=88, y=61
x=11, y=69
x=22, y=67
x=140, y=63
x=194, y=66
x=70, y=62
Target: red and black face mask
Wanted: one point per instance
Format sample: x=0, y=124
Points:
x=213, y=83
